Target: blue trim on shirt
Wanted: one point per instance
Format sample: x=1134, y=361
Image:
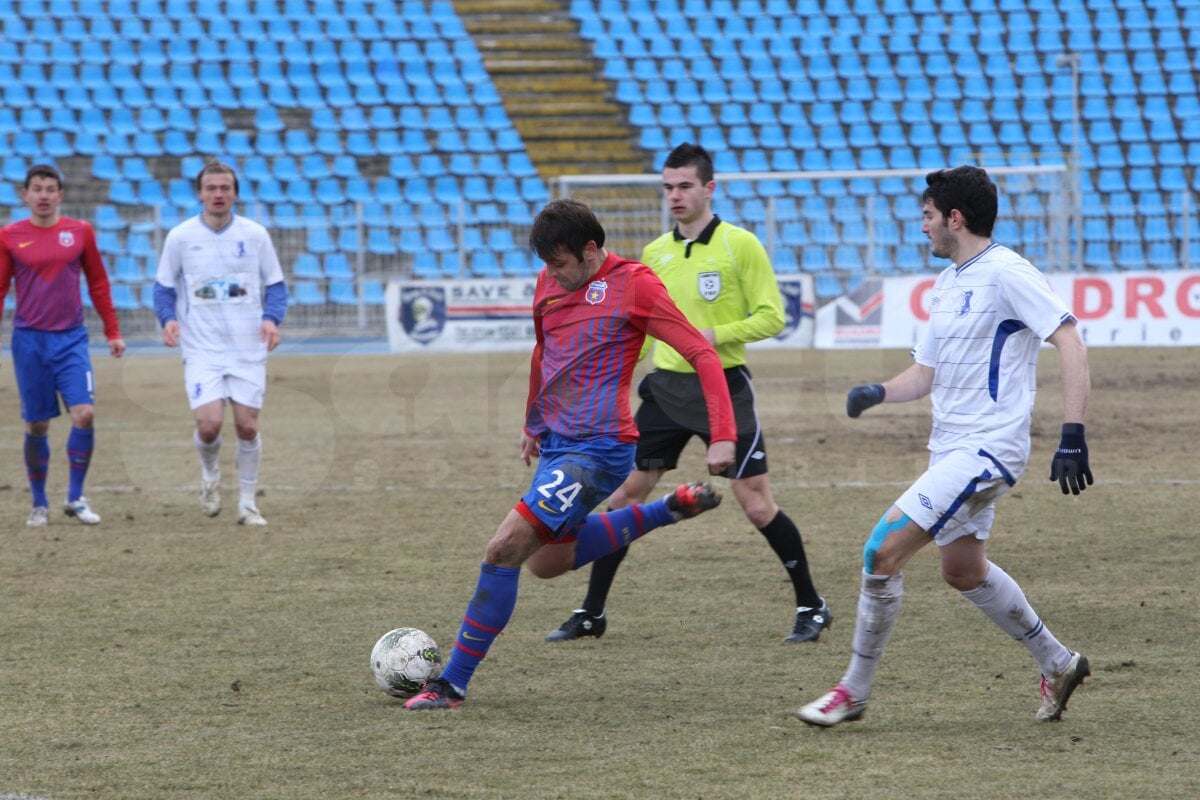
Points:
x=1004, y=330
x=275, y=302
x=164, y=303
x=975, y=258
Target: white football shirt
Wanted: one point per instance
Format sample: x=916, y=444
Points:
x=219, y=278
x=988, y=318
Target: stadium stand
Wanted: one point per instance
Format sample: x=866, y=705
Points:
x=372, y=134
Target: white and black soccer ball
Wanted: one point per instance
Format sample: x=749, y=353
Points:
x=404, y=660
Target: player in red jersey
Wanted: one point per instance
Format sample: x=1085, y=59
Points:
x=592, y=311
x=46, y=254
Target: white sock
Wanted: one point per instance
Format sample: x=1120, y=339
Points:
x=1001, y=599
x=248, y=456
x=210, y=457
x=878, y=608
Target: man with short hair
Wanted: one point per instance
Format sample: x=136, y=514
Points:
x=990, y=311
x=220, y=295
x=46, y=254
x=592, y=311
x=721, y=277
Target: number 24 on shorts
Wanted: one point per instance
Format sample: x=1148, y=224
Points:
x=565, y=495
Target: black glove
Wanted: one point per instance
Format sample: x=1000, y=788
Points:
x=1070, y=464
x=861, y=398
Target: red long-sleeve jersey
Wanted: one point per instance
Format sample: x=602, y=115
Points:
x=588, y=342
x=47, y=263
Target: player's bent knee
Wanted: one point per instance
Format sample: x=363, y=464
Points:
x=962, y=580
x=550, y=561
x=873, y=564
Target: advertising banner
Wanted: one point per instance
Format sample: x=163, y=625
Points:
x=493, y=315
x=1115, y=309
x=459, y=316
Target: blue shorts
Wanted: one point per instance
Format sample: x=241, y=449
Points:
x=573, y=477
x=49, y=364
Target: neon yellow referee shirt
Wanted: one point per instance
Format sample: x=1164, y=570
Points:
x=722, y=280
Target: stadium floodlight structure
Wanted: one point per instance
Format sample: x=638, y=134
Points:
x=876, y=212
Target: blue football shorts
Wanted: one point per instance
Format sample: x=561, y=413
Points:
x=49, y=364
x=573, y=477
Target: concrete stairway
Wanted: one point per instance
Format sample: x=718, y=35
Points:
x=551, y=87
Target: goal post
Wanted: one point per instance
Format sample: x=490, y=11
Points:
x=841, y=223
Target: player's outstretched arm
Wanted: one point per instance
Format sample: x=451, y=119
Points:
x=1070, y=463
x=911, y=384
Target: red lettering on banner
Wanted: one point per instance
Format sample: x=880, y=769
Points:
x=917, y=303
x=1147, y=292
x=1083, y=290
x=1189, y=306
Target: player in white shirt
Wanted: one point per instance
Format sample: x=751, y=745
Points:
x=220, y=295
x=990, y=311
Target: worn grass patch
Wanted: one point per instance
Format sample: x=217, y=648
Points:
x=167, y=655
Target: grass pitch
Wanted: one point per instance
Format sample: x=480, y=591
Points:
x=167, y=655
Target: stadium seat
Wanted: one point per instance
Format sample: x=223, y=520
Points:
x=307, y=265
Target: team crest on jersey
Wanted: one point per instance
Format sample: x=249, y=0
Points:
x=596, y=292
x=241, y=250
x=965, y=307
x=709, y=284
x=423, y=312
x=66, y=238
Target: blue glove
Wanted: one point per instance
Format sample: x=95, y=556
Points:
x=1070, y=464
x=861, y=398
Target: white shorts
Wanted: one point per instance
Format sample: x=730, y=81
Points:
x=956, y=496
x=206, y=381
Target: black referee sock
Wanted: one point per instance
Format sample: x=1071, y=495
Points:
x=604, y=571
x=784, y=538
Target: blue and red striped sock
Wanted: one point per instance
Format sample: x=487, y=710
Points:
x=79, y=454
x=489, y=611
x=610, y=531
x=37, y=460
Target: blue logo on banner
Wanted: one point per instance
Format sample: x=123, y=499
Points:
x=793, y=306
x=423, y=312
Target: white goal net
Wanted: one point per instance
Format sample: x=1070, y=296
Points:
x=840, y=224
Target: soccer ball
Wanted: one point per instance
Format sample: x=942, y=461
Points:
x=403, y=660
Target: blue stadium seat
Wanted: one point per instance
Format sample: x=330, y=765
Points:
x=307, y=265
x=379, y=241
x=309, y=293
x=337, y=266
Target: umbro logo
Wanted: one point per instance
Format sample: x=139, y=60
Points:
x=758, y=455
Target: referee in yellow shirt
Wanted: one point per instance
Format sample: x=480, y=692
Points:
x=721, y=278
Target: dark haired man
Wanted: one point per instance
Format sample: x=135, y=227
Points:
x=592, y=311
x=720, y=276
x=990, y=312
x=46, y=254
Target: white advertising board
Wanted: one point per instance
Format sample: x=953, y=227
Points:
x=1146, y=309
x=492, y=315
